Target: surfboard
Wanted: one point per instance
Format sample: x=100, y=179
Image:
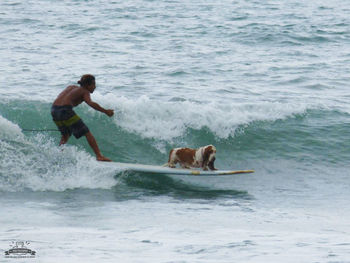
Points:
x=155, y=169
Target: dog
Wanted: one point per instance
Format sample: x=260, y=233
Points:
x=202, y=157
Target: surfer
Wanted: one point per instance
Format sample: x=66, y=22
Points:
x=68, y=121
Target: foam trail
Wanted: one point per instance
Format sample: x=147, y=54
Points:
x=37, y=163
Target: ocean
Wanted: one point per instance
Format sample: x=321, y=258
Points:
x=266, y=82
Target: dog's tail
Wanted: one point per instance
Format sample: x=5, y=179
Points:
x=167, y=164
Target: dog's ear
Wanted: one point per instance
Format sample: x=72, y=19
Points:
x=207, y=151
x=211, y=164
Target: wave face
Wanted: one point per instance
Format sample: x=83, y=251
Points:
x=33, y=160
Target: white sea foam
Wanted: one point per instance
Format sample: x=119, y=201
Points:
x=9, y=129
x=166, y=120
x=40, y=165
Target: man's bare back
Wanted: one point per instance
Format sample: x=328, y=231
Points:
x=72, y=95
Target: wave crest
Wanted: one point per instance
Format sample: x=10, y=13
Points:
x=167, y=120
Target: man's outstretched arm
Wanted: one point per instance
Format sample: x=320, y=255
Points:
x=96, y=106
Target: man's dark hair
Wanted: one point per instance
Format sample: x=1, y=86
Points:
x=86, y=80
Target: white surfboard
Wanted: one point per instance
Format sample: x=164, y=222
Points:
x=144, y=168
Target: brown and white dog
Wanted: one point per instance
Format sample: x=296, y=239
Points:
x=202, y=157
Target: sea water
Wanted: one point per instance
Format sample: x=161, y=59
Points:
x=266, y=82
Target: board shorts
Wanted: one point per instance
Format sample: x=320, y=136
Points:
x=68, y=121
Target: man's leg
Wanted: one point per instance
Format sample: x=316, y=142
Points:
x=64, y=139
x=93, y=144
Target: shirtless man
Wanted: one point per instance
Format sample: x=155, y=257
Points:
x=66, y=119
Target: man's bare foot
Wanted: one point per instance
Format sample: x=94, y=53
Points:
x=103, y=159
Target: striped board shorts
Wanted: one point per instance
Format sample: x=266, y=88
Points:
x=68, y=121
